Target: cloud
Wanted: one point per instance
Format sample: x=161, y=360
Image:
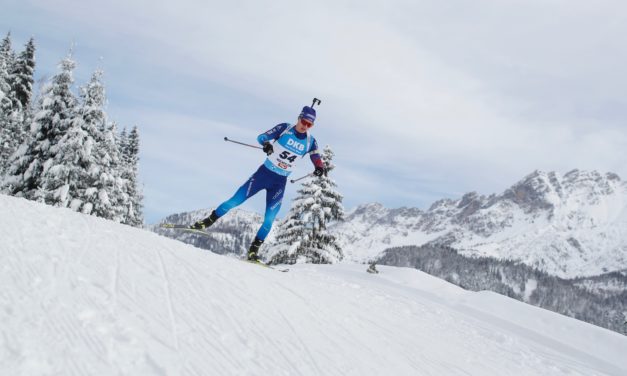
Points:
x=423, y=96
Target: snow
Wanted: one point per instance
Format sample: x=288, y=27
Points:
x=81, y=295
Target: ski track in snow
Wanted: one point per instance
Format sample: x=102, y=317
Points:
x=84, y=296
x=168, y=294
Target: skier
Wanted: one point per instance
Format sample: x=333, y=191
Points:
x=373, y=268
x=289, y=142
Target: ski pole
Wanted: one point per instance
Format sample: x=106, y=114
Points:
x=241, y=143
x=314, y=102
x=301, y=178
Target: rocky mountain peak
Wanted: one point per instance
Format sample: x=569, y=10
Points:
x=367, y=212
x=547, y=190
x=532, y=192
x=567, y=224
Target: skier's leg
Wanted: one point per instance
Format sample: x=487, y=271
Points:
x=248, y=189
x=274, y=197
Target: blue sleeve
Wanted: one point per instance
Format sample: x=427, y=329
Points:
x=273, y=133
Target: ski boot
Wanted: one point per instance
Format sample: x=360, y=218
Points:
x=207, y=222
x=253, y=255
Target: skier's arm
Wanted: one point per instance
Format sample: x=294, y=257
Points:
x=316, y=159
x=272, y=134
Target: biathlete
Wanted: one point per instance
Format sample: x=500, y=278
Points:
x=284, y=145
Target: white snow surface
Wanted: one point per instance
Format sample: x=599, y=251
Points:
x=85, y=296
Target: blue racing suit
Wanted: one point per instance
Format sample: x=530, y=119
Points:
x=289, y=145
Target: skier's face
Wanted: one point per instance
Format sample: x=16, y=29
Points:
x=303, y=125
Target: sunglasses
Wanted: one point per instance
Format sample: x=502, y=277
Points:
x=306, y=123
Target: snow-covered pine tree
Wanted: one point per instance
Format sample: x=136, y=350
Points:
x=64, y=178
x=119, y=194
x=6, y=109
x=292, y=234
x=20, y=80
x=130, y=152
x=104, y=159
x=5, y=89
x=51, y=122
x=76, y=165
x=6, y=52
x=303, y=235
x=22, y=76
x=5, y=66
x=7, y=113
x=64, y=173
x=122, y=145
x=331, y=198
x=106, y=195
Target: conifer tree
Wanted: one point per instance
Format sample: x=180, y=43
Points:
x=22, y=76
x=65, y=175
x=6, y=110
x=119, y=192
x=106, y=196
x=99, y=180
x=70, y=156
x=130, y=152
x=303, y=236
x=76, y=162
x=6, y=52
x=51, y=122
x=7, y=64
x=21, y=81
x=331, y=198
x=122, y=145
x=7, y=113
x=5, y=67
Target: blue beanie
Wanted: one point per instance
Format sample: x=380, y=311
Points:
x=308, y=113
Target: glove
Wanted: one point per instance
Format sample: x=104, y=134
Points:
x=267, y=148
x=319, y=171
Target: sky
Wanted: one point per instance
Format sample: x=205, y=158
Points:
x=421, y=100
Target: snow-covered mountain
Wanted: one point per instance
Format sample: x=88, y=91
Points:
x=570, y=225
x=86, y=296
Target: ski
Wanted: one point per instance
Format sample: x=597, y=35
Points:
x=200, y=232
x=172, y=225
x=265, y=265
x=184, y=228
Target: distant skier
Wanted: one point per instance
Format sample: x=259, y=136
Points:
x=373, y=268
x=289, y=143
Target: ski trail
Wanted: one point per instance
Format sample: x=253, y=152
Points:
x=168, y=294
x=114, y=281
x=113, y=290
x=126, y=301
x=304, y=346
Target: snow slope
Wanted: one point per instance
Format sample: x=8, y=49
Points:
x=84, y=296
